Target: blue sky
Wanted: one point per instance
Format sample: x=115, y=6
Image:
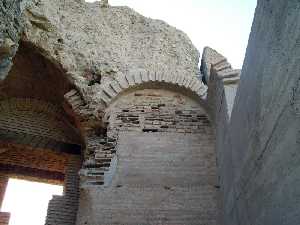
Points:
x=221, y=24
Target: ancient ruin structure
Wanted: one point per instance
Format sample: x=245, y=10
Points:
x=113, y=106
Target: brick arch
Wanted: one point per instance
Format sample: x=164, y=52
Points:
x=91, y=117
x=108, y=92
x=193, y=86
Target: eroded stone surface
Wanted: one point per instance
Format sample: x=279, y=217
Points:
x=95, y=43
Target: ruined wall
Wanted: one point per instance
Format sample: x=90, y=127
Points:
x=163, y=171
x=155, y=110
x=257, y=145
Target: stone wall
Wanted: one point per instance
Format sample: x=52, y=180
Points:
x=257, y=144
x=10, y=28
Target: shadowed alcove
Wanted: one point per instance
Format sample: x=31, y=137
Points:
x=39, y=139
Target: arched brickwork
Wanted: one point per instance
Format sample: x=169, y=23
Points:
x=108, y=92
x=102, y=140
x=158, y=143
x=37, y=123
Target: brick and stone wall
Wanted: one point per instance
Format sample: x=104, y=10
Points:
x=160, y=178
x=153, y=110
x=163, y=170
x=62, y=210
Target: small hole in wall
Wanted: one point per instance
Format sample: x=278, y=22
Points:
x=150, y=130
x=93, y=82
x=60, y=40
x=101, y=131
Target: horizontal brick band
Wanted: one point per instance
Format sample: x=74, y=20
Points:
x=13, y=170
x=7, y=136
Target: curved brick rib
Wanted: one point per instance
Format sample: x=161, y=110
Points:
x=111, y=90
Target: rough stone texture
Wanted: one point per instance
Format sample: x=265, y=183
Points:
x=82, y=56
x=160, y=178
x=106, y=42
x=258, y=149
x=10, y=28
x=88, y=57
x=212, y=57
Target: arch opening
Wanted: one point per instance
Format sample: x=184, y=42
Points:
x=40, y=139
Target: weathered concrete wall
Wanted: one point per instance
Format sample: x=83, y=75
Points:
x=258, y=148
